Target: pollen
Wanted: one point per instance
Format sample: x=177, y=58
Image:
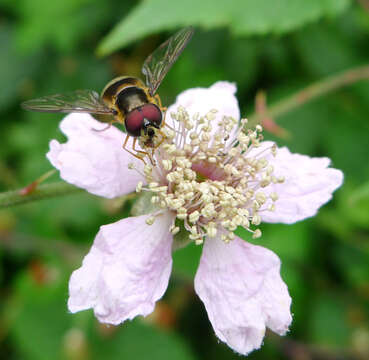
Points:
x=214, y=177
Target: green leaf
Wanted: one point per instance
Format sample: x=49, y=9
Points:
x=136, y=340
x=360, y=194
x=326, y=50
x=181, y=239
x=243, y=17
x=186, y=260
x=60, y=23
x=290, y=242
x=14, y=68
x=353, y=264
x=358, y=205
x=328, y=324
x=39, y=317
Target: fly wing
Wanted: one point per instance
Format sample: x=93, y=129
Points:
x=82, y=101
x=157, y=65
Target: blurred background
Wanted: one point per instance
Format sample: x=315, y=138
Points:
x=278, y=47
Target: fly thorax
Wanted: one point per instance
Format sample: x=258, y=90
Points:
x=130, y=98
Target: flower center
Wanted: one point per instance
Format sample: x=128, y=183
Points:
x=210, y=181
x=205, y=170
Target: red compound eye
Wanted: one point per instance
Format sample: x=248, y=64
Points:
x=134, y=121
x=152, y=113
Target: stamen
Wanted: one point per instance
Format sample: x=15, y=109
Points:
x=139, y=186
x=257, y=234
x=150, y=220
x=210, y=185
x=131, y=166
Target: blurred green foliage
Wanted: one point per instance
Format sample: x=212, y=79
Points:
x=241, y=17
x=281, y=46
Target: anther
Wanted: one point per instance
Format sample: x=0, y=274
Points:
x=175, y=230
x=139, y=186
x=150, y=220
x=274, y=196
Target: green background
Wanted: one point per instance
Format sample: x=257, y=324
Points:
x=278, y=46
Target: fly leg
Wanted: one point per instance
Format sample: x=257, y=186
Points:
x=143, y=153
x=139, y=154
x=104, y=128
x=163, y=137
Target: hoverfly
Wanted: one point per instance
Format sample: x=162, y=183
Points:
x=127, y=100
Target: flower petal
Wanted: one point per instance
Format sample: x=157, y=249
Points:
x=126, y=271
x=92, y=160
x=309, y=184
x=219, y=96
x=243, y=292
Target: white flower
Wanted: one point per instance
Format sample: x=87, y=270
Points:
x=211, y=176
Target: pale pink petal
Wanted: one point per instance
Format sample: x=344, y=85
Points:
x=126, y=271
x=309, y=184
x=94, y=161
x=219, y=96
x=243, y=292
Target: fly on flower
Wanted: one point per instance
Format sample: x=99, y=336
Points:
x=126, y=99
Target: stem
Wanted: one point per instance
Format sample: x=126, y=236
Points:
x=309, y=93
x=15, y=197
